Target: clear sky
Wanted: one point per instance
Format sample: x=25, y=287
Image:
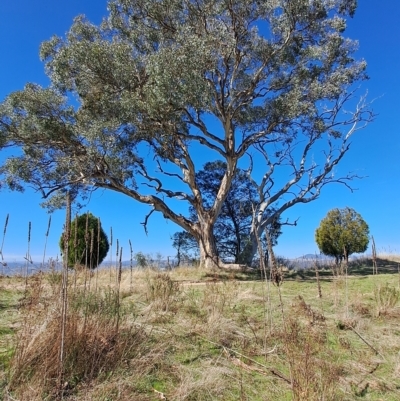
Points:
x=375, y=151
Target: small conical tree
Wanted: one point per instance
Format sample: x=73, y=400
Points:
x=85, y=248
x=341, y=233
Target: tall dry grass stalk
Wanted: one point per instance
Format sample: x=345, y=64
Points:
x=131, y=266
x=91, y=252
x=111, y=249
x=277, y=280
x=45, y=243
x=2, y=241
x=28, y=256
x=267, y=309
x=98, y=251
x=116, y=261
x=346, y=272
x=374, y=263
x=87, y=241
x=64, y=291
x=316, y=268
x=76, y=250
x=118, y=291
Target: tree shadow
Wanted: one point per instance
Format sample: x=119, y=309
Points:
x=358, y=267
x=384, y=266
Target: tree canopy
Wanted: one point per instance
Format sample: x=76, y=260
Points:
x=271, y=83
x=88, y=243
x=341, y=233
x=186, y=246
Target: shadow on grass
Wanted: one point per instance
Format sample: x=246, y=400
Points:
x=250, y=275
x=361, y=267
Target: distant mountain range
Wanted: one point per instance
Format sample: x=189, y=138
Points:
x=315, y=256
x=21, y=267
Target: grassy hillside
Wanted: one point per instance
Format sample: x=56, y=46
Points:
x=198, y=335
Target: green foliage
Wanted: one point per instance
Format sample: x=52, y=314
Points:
x=341, y=233
x=85, y=247
x=266, y=80
x=186, y=246
x=141, y=259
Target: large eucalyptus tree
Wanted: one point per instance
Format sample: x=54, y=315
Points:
x=235, y=221
x=133, y=99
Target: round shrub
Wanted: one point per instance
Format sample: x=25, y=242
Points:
x=85, y=246
x=341, y=233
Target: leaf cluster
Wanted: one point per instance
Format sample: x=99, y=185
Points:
x=157, y=81
x=341, y=233
x=85, y=246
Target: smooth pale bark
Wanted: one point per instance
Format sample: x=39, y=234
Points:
x=208, y=250
x=201, y=230
x=204, y=229
x=252, y=248
x=255, y=235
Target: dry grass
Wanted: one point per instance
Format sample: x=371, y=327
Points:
x=386, y=298
x=94, y=344
x=191, y=334
x=313, y=364
x=391, y=256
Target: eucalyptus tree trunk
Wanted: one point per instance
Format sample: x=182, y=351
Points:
x=251, y=248
x=204, y=228
x=208, y=250
x=258, y=225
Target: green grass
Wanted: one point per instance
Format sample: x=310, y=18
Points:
x=215, y=336
x=9, y=302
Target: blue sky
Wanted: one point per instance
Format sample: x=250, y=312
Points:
x=375, y=151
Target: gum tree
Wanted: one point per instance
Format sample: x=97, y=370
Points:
x=269, y=81
x=232, y=228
